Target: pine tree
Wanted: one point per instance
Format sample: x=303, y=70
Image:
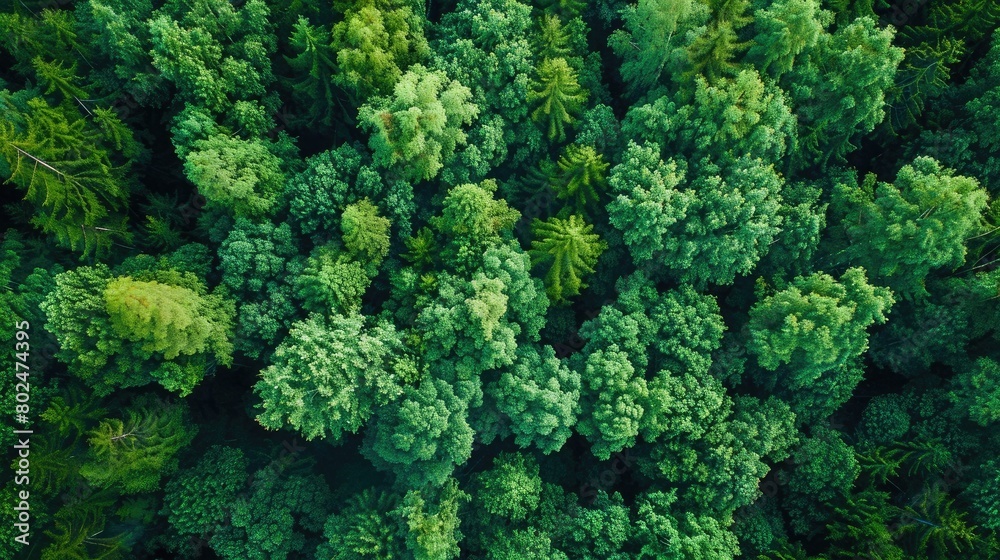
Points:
x=569, y=249
x=580, y=179
x=558, y=96
x=552, y=41
x=314, y=66
x=134, y=454
x=55, y=156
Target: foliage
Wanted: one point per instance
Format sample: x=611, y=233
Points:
x=569, y=249
x=418, y=128
x=328, y=376
x=501, y=279
x=901, y=231
x=127, y=331
x=557, y=97
x=66, y=169
x=133, y=454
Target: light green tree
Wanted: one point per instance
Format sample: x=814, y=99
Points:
x=569, y=250
x=419, y=126
x=133, y=454
x=235, y=175
x=375, y=43
x=366, y=234
x=557, y=96
x=580, y=178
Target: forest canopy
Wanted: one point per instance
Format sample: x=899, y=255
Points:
x=500, y=279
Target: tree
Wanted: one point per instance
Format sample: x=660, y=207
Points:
x=366, y=527
x=60, y=161
x=838, y=90
x=275, y=516
x=811, y=332
x=715, y=231
x=238, y=176
x=485, y=45
x=784, y=30
x=314, y=65
x=334, y=179
x=823, y=473
x=552, y=41
x=418, y=128
x=421, y=436
x=612, y=403
x=218, y=58
x=937, y=528
x=652, y=38
x=557, y=96
x=580, y=178
x=976, y=389
x=540, y=396
x=511, y=489
x=433, y=528
x=883, y=422
x=675, y=535
x=647, y=199
x=332, y=282
x=118, y=38
x=375, y=43
x=472, y=220
x=901, y=231
x=817, y=323
x=982, y=492
x=711, y=54
x=729, y=118
x=258, y=262
x=134, y=454
x=569, y=250
x=366, y=234
x=153, y=324
x=328, y=376
x=197, y=499
x=171, y=320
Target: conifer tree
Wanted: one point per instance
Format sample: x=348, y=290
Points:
x=569, y=249
x=580, y=179
x=557, y=95
x=57, y=158
x=134, y=453
x=314, y=66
